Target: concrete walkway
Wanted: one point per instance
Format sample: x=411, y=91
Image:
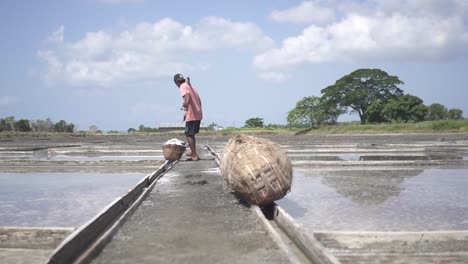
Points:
x=191, y=217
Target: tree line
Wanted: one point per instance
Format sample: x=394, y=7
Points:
x=25, y=125
x=371, y=93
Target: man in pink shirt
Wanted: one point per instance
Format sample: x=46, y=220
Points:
x=193, y=112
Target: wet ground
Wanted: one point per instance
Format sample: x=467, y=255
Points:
x=191, y=217
x=381, y=198
x=395, y=184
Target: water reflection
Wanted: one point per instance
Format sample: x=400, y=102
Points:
x=361, y=157
x=367, y=187
x=294, y=209
x=46, y=154
x=58, y=199
x=380, y=200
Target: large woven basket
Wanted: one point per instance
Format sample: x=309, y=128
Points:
x=256, y=169
x=173, y=152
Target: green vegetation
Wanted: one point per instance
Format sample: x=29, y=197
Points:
x=371, y=93
x=254, y=122
x=374, y=95
x=360, y=89
x=142, y=128
x=440, y=126
x=8, y=124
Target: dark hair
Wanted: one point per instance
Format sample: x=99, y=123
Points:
x=179, y=78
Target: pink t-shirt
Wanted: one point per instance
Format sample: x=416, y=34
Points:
x=194, y=108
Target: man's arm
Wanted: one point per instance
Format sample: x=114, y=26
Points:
x=186, y=100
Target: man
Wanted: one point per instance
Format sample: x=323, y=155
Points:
x=193, y=112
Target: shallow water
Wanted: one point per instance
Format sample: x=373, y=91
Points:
x=379, y=200
x=358, y=157
x=58, y=199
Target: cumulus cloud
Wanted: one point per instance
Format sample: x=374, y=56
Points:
x=8, y=100
x=384, y=30
x=147, y=51
x=277, y=77
x=306, y=12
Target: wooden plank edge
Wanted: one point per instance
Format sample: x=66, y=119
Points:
x=271, y=231
x=213, y=153
x=80, y=239
x=98, y=245
x=310, y=246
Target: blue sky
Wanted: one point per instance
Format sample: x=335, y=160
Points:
x=110, y=62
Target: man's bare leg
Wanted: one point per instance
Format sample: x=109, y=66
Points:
x=193, y=147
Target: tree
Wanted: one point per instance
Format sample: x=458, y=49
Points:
x=142, y=128
x=375, y=113
x=419, y=113
x=254, y=122
x=7, y=123
x=22, y=125
x=41, y=125
x=60, y=126
x=306, y=113
x=131, y=130
x=455, y=114
x=361, y=88
x=436, y=111
x=328, y=112
x=70, y=128
x=212, y=126
x=93, y=128
x=405, y=108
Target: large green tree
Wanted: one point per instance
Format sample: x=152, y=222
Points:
x=254, y=122
x=22, y=125
x=405, y=108
x=305, y=112
x=455, y=114
x=375, y=113
x=361, y=88
x=436, y=111
x=312, y=110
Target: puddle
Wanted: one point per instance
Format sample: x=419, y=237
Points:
x=357, y=157
x=80, y=158
x=58, y=199
x=380, y=200
x=123, y=158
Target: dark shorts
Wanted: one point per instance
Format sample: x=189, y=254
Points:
x=192, y=127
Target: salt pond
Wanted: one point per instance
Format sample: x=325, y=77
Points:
x=59, y=199
x=379, y=200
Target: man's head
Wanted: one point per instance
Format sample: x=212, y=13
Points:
x=179, y=79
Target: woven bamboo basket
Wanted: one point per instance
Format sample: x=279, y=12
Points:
x=256, y=169
x=173, y=152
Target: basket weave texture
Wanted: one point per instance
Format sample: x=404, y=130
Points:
x=173, y=152
x=256, y=169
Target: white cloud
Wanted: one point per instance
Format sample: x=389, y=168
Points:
x=57, y=35
x=147, y=51
x=306, y=12
x=395, y=30
x=277, y=77
x=8, y=100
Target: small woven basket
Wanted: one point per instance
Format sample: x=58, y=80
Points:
x=173, y=152
x=257, y=169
